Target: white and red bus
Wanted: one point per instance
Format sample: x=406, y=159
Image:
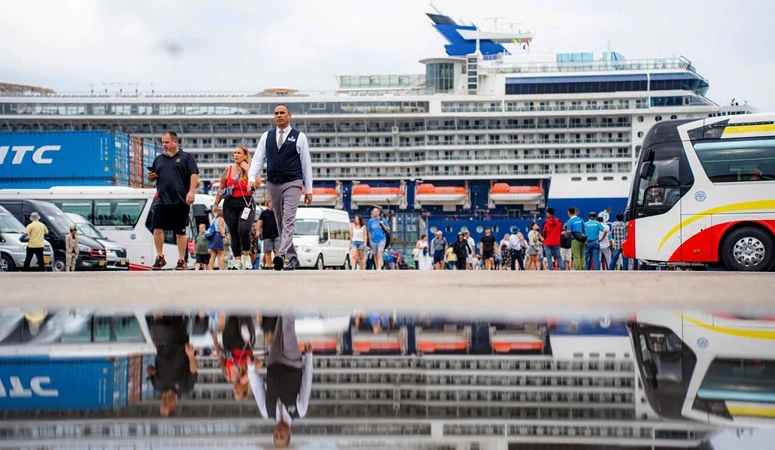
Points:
x=704, y=194
x=716, y=368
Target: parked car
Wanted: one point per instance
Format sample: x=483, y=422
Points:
x=12, y=250
x=92, y=255
x=117, y=258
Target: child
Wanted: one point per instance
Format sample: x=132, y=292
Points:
x=202, y=254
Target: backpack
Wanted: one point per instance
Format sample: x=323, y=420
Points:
x=387, y=236
x=581, y=237
x=210, y=233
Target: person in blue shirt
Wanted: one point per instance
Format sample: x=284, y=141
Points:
x=378, y=226
x=595, y=232
x=574, y=227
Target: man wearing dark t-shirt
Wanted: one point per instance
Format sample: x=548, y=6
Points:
x=176, y=175
x=175, y=372
x=268, y=232
x=487, y=248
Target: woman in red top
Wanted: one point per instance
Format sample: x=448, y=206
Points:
x=239, y=337
x=239, y=210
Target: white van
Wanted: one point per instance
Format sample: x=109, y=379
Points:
x=322, y=238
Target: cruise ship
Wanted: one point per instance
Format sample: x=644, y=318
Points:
x=489, y=135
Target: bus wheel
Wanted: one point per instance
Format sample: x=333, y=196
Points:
x=748, y=249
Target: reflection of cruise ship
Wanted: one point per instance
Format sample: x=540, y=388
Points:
x=484, y=136
x=579, y=388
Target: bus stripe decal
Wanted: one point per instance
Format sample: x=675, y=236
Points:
x=749, y=129
x=751, y=411
x=734, y=207
x=739, y=332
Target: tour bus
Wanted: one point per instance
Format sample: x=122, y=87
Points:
x=710, y=367
x=704, y=194
x=123, y=215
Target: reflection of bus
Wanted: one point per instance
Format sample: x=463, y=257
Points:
x=705, y=194
x=713, y=368
x=123, y=215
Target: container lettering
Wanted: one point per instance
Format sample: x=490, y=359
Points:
x=21, y=150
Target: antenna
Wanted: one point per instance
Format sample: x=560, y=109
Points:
x=438, y=11
x=494, y=21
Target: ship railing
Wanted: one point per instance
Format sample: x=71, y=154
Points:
x=592, y=66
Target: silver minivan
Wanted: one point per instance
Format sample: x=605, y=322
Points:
x=12, y=250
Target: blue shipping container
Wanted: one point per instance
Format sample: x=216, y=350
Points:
x=42, y=383
x=45, y=159
x=150, y=152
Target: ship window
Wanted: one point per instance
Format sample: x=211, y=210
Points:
x=673, y=117
x=640, y=134
x=448, y=229
x=608, y=178
x=640, y=118
x=658, y=118
x=480, y=229
x=624, y=178
x=576, y=179
x=591, y=178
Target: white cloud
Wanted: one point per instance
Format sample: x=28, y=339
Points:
x=233, y=45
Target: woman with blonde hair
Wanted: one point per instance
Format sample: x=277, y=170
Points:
x=239, y=209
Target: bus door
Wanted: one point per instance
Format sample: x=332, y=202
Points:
x=696, y=223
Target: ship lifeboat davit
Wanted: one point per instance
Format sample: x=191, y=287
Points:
x=325, y=196
x=505, y=194
x=363, y=194
x=447, y=196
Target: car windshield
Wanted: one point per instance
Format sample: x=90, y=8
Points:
x=9, y=224
x=59, y=221
x=307, y=227
x=87, y=228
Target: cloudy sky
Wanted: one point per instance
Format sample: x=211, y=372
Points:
x=249, y=45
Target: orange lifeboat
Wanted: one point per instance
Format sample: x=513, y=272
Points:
x=503, y=193
x=325, y=196
x=363, y=194
x=428, y=194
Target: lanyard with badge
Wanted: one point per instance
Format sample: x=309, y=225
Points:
x=248, y=207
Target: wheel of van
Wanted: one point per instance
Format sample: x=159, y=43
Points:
x=59, y=265
x=347, y=265
x=748, y=249
x=319, y=263
x=6, y=263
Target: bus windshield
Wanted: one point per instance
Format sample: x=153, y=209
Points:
x=660, y=188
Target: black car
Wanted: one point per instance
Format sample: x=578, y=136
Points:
x=92, y=255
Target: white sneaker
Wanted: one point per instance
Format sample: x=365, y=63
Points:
x=246, y=265
x=238, y=263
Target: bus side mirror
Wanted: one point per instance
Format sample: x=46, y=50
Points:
x=2, y=238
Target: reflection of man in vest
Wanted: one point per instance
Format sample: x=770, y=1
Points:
x=288, y=380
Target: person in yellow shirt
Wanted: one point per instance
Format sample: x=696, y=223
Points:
x=451, y=258
x=36, y=231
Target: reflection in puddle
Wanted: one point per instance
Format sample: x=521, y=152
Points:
x=385, y=379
